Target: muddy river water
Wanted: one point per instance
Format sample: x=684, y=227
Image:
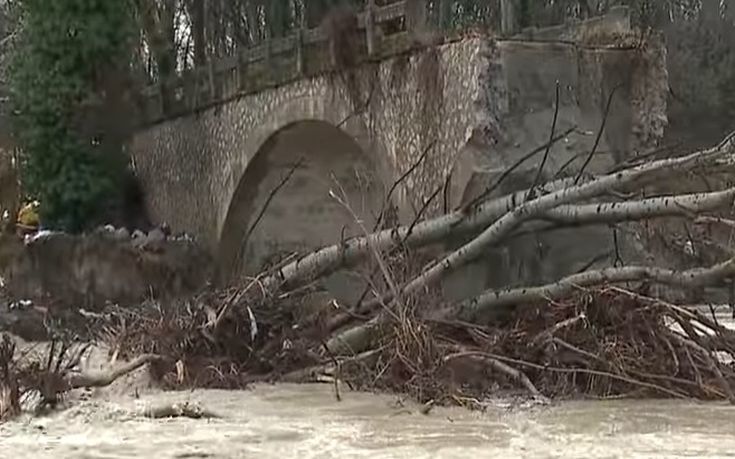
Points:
x=306, y=421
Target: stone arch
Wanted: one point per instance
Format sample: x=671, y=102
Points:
x=319, y=156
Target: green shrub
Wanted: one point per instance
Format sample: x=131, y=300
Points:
x=64, y=49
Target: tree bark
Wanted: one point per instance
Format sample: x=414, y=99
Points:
x=472, y=309
x=664, y=206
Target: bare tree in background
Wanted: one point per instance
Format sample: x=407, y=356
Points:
x=9, y=178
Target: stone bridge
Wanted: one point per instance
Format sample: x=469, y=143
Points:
x=253, y=166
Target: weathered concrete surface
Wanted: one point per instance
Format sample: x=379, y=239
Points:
x=586, y=75
x=90, y=270
x=475, y=104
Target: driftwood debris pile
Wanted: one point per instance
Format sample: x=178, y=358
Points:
x=601, y=342
x=595, y=333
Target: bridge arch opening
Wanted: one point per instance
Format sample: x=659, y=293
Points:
x=299, y=212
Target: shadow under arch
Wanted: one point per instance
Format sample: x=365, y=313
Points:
x=300, y=215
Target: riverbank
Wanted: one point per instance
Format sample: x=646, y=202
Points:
x=619, y=331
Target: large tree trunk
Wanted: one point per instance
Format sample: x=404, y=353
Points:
x=497, y=217
x=196, y=10
x=158, y=24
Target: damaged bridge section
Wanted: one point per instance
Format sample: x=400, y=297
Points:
x=274, y=162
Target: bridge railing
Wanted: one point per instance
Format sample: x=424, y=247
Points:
x=382, y=30
x=274, y=62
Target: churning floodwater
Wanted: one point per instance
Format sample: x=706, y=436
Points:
x=306, y=421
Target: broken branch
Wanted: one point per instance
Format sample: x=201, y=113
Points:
x=496, y=364
x=471, y=309
x=547, y=202
x=102, y=379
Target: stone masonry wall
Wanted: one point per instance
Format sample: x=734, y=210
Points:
x=191, y=166
x=473, y=105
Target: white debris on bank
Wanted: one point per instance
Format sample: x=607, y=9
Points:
x=722, y=315
x=39, y=235
x=20, y=304
x=139, y=239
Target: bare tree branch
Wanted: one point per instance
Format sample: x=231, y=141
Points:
x=664, y=206
x=539, y=206
x=540, y=170
x=327, y=259
x=471, y=309
x=517, y=375
x=76, y=381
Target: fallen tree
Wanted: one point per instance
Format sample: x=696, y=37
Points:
x=495, y=217
x=528, y=208
x=409, y=334
x=51, y=374
x=470, y=310
x=577, y=334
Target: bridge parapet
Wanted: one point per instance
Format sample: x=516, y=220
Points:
x=379, y=32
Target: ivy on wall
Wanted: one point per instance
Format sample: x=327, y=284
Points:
x=64, y=51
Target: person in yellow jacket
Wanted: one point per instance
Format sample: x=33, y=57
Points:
x=28, y=216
